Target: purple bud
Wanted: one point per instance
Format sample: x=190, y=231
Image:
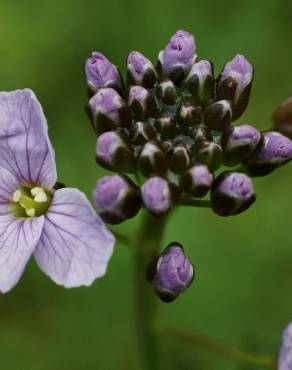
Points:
x=165, y=125
x=152, y=159
x=197, y=181
x=218, y=115
x=113, y=152
x=200, y=82
x=141, y=102
x=173, y=273
x=273, y=151
x=116, y=198
x=282, y=117
x=234, y=83
x=232, y=193
x=238, y=143
x=178, y=56
x=140, y=70
x=285, y=355
x=180, y=159
x=167, y=92
x=189, y=114
x=200, y=135
x=141, y=132
x=159, y=195
x=100, y=72
x=107, y=110
x=210, y=154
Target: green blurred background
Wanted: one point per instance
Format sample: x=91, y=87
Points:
x=242, y=293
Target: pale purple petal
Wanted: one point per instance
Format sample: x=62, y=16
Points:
x=75, y=246
x=18, y=239
x=8, y=184
x=25, y=148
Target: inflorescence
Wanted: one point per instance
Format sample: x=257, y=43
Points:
x=172, y=125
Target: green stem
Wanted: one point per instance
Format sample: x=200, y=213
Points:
x=147, y=246
x=220, y=349
x=187, y=201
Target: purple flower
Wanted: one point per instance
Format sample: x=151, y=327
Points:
x=59, y=227
x=285, y=355
x=141, y=102
x=197, y=181
x=140, y=70
x=116, y=198
x=178, y=56
x=238, y=143
x=232, y=193
x=173, y=273
x=234, y=83
x=273, y=151
x=159, y=195
x=100, y=72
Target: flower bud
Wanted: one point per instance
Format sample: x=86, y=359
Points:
x=285, y=354
x=200, y=135
x=117, y=198
x=273, y=151
x=167, y=147
x=140, y=70
x=234, y=83
x=218, y=115
x=232, y=193
x=141, y=132
x=152, y=160
x=113, y=152
x=107, y=111
x=172, y=273
x=165, y=124
x=238, y=143
x=189, y=114
x=210, y=154
x=142, y=102
x=197, y=181
x=100, y=72
x=177, y=58
x=180, y=159
x=200, y=82
x=282, y=117
x=167, y=92
x=159, y=195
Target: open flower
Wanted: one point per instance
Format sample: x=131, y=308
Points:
x=59, y=227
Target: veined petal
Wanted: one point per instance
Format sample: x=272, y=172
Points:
x=8, y=185
x=75, y=246
x=18, y=239
x=25, y=148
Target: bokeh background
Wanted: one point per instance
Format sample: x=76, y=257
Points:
x=242, y=294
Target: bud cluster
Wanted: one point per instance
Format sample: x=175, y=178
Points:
x=172, y=125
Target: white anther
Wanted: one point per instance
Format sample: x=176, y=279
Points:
x=30, y=212
x=16, y=196
x=35, y=191
x=41, y=197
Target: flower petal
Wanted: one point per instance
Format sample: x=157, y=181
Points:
x=25, y=148
x=18, y=239
x=75, y=245
x=8, y=184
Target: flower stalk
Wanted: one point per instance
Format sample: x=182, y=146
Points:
x=147, y=245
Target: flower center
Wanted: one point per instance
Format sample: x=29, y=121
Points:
x=31, y=202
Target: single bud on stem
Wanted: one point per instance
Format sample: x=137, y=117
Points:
x=140, y=70
x=189, y=114
x=218, y=115
x=210, y=154
x=197, y=181
x=142, y=102
x=171, y=273
x=113, y=152
x=232, y=193
x=107, y=111
x=178, y=56
x=234, y=84
x=167, y=92
x=159, y=195
x=141, y=133
x=180, y=159
x=285, y=353
x=238, y=143
x=100, y=72
x=200, y=82
x=117, y=198
x=152, y=159
x=282, y=117
x=165, y=125
x=273, y=151
x=200, y=135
